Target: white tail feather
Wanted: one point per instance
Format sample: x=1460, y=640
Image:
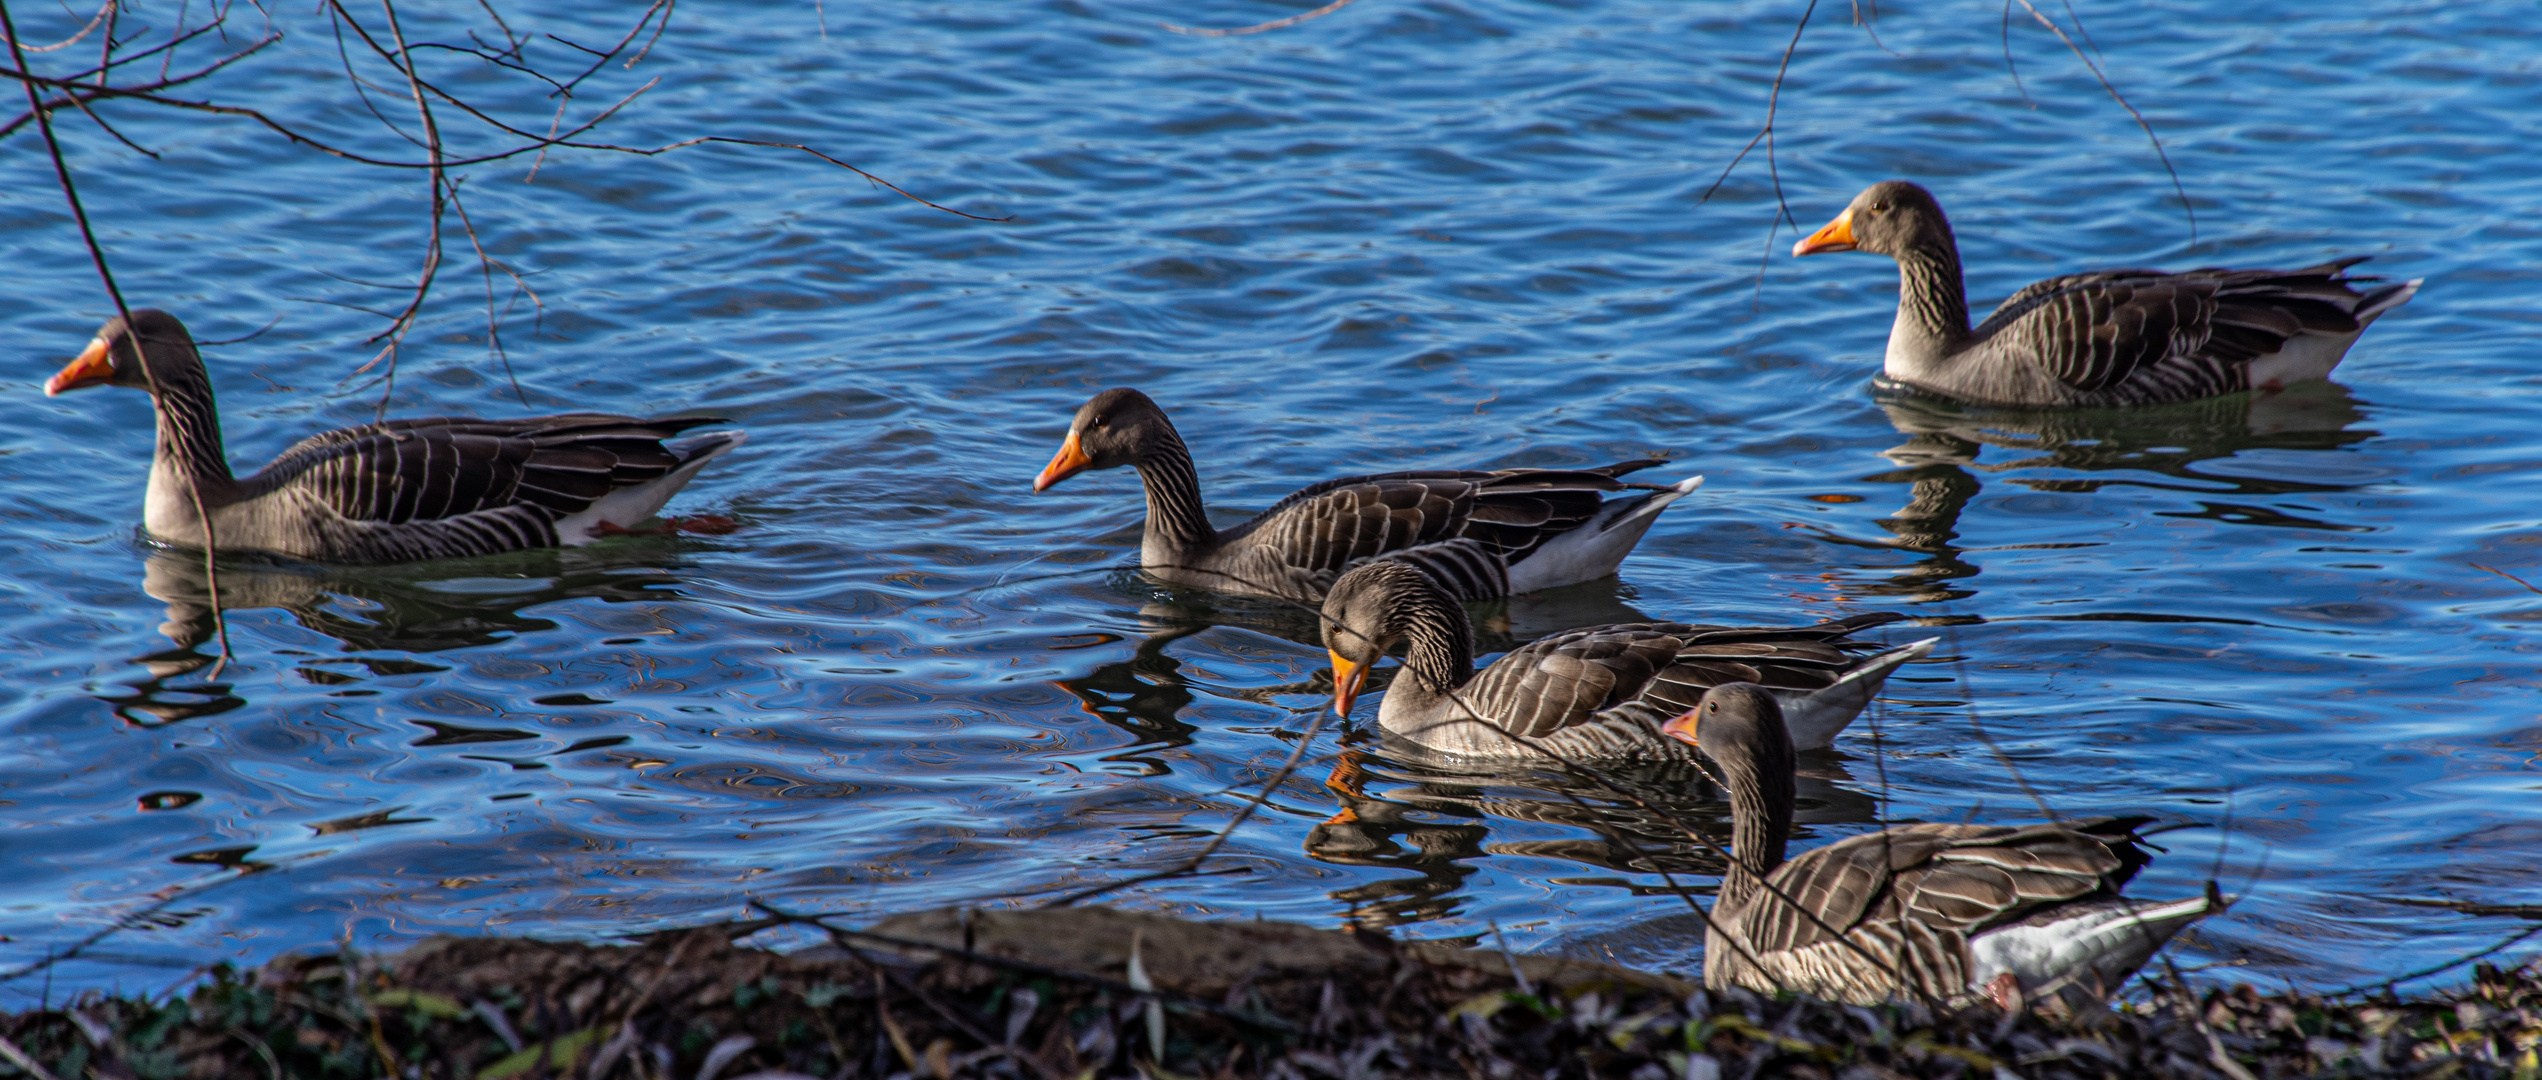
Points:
x=628, y=506
x=1814, y=718
x=1599, y=545
x=2091, y=951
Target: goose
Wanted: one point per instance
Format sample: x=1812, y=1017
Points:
x=399, y=491
x=2105, y=338
x=1956, y=914
x=1592, y=693
x=1486, y=534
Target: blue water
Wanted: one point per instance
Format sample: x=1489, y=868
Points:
x=1408, y=234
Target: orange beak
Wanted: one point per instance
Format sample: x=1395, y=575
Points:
x=1683, y=727
x=1069, y=461
x=90, y=369
x=1837, y=236
x=1347, y=679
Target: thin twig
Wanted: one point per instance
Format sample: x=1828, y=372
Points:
x=438, y=187
x=493, y=328
x=9, y=1049
x=1871, y=25
x=2095, y=68
x=93, y=21
x=1772, y=100
x=966, y=952
x=896, y=189
x=259, y=332
x=2009, y=66
x=1286, y=770
x=132, y=333
x=1574, y=768
x=1977, y=726
x=1275, y=24
x=2511, y=577
x=2512, y=941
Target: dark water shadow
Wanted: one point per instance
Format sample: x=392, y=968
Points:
x=415, y=608
x=1434, y=821
x=1946, y=456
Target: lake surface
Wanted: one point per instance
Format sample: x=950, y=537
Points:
x=1407, y=234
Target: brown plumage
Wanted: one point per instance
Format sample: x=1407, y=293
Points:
x=2104, y=338
x=1482, y=533
x=1595, y=692
x=396, y=491
x=1947, y=913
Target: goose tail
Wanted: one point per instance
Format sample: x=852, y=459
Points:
x=1600, y=544
x=2385, y=299
x=628, y=506
x=1817, y=716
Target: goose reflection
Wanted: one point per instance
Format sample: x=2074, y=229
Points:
x=2163, y=445
x=1436, y=821
x=1500, y=624
x=1145, y=694
x=418, y=608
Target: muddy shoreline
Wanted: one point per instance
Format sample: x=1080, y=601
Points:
x=1081, y=993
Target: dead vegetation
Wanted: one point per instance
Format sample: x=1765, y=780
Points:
x=1074, y=994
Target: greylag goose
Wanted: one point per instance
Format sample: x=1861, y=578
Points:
x=1484, y=534
x=398, y=491
x=1952, y=913
x=2105, y=338
x=1592, y=693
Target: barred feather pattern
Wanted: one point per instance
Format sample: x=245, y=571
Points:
x=2139, y=337
x=397, y=491
x=439, y=487
x=1490, y=520
x=1471, y=525
x=1890, y=914
x=1599, y=692
x=2107, y=338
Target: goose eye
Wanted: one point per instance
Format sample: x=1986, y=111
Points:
x=1879, y=207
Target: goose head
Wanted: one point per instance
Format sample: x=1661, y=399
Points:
x=1740, y=727
x=110, y=360
x=1371, y=610
x=1738, y=722
x=1889, y=218
x=1118, y=427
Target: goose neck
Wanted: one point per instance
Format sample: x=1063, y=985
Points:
x=1438, y=644
x=189, y=422
x=1932, y=318
x=1176, y=521
x=1761, y=798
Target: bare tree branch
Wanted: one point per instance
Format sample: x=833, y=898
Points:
x=2121, y=99
x=132, y=333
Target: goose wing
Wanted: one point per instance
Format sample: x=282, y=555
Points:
x=1327, y=528
x=1561, y=680
x=2100, y=330
x=434, y=468
x=1917, y=892
x=1658, y=670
